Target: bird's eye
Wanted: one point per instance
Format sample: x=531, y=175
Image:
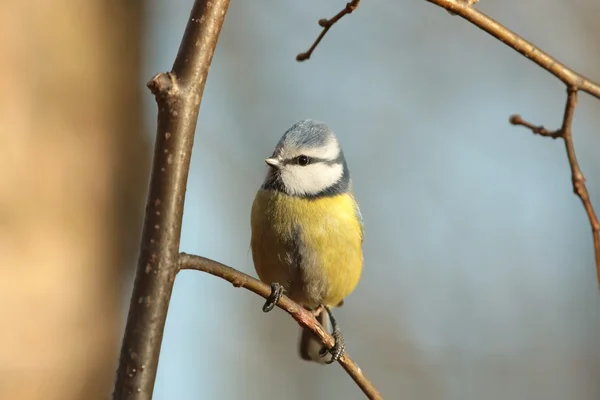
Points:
x=303, y=160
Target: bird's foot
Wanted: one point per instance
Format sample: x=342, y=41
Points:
x=276, y=292
x=338, y=349
x=339, y=345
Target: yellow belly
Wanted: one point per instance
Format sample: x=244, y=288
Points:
x=311, y=247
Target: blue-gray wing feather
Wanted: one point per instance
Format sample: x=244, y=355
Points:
x=360, y=219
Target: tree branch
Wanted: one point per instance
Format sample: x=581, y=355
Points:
x=178, y=95
x=577, y=177
x=516, y=42
x=299, y=313
x=500, y=32
x=326, y=24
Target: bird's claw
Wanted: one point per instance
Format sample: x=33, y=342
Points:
x=339, y=345
x=273, y=299
x=338, y=349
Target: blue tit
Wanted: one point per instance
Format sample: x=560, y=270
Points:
x=307, y=229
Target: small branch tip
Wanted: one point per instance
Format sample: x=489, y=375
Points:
x=161, y=84
x=515, y=119
x=302, y=56
x=326, y=24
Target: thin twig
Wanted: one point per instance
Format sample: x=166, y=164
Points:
x=178, y=95
x=516, y=42
x=464, y=9
x=577, y=177
x=304, y=317
x=326, y=24
x=516, y=119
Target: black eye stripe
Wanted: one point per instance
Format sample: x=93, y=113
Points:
x=300, y=160
x=311, y=160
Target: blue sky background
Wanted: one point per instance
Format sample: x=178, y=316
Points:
x=479, y=278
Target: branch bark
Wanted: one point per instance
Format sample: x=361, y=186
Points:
x=516, y=42
x=299, y=313
x=178, y=95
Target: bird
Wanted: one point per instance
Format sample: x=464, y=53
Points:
x=307, y=230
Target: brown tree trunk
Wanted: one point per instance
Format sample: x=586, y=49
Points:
x=72, y=188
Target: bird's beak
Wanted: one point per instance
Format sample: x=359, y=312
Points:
x=273, y=162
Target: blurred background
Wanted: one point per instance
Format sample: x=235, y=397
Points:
x=479, y=279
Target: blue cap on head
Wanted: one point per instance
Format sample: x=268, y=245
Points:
x=307, y=134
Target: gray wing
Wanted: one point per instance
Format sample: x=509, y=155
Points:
x=360, y=219
x=358, y=213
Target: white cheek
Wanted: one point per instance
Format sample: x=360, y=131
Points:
x=310, y=179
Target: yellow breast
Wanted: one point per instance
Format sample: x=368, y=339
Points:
x=313, y=247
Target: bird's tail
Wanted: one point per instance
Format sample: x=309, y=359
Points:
x=310, y=345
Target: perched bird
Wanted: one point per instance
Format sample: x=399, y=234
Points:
x=307, y=229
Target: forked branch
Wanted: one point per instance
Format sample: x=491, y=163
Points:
x=577, y=177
